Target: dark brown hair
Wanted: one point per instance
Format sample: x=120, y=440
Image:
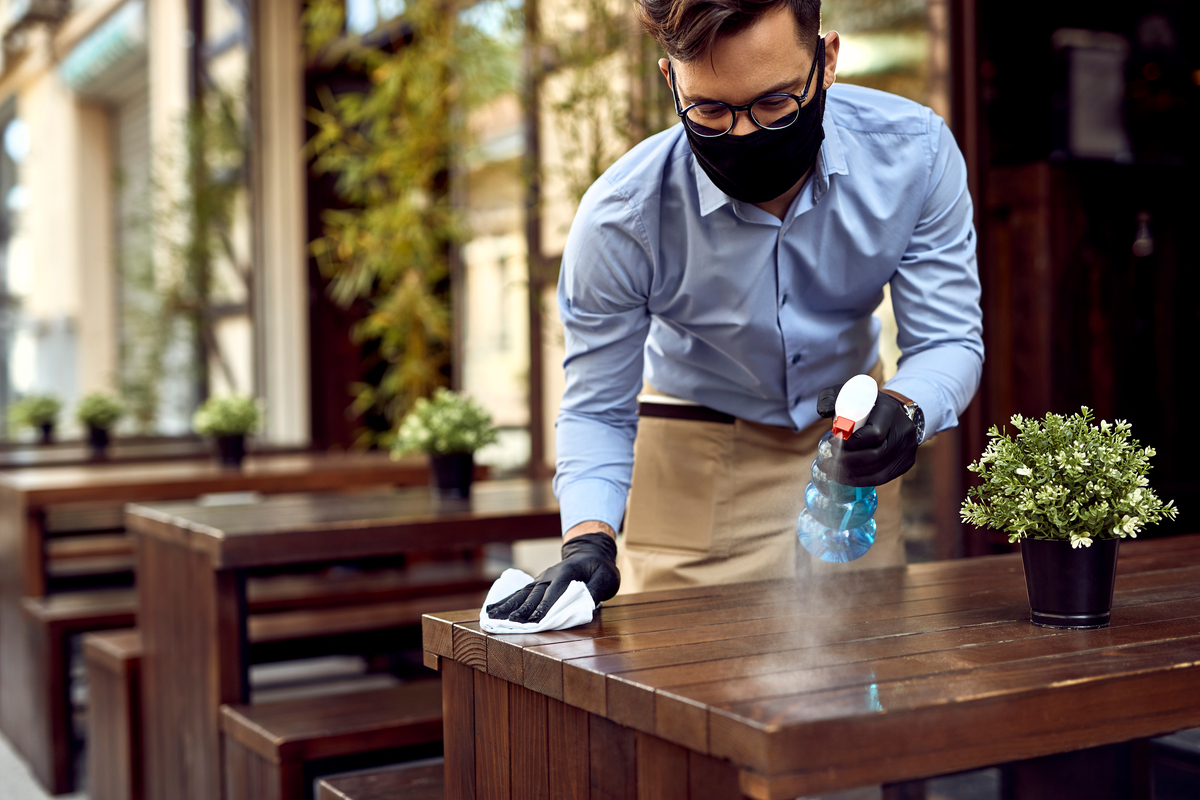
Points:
x=687, y=28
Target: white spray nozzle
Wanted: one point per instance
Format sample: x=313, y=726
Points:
x=853, y=405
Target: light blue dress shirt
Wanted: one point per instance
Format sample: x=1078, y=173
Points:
x=666, y=278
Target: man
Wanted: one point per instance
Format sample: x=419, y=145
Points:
x=726, y=271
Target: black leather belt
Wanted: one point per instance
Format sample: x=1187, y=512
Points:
x=676, y=411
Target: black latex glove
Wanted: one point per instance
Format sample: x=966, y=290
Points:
x=882, y=449
x=591, y=558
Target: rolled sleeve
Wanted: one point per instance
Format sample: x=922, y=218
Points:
x=935, y=295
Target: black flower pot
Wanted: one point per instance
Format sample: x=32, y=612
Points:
x=231, y=450
x=1070, y=587
x=452, y=474
x=98, y=439
x=47, y=432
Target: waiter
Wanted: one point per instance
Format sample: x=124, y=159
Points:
x=717, y=287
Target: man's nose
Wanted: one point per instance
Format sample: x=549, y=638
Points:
x=743, y=124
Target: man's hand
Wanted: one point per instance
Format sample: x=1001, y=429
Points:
x=590, y=557
x=882, y=449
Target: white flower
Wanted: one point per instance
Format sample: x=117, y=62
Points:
x=1078, y=540
x=1026, y=471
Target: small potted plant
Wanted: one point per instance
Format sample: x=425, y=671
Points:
x=449, y=427
x=1069, y=491
x=228, y=419
x=99, y=412
x=39, y=412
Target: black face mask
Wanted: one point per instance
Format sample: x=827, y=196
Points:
x=761, y=166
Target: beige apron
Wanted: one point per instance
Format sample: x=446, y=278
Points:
x=715, y=502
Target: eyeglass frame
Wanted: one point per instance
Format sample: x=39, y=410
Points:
x=748, y=108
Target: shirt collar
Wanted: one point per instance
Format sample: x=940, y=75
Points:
x=831, y=160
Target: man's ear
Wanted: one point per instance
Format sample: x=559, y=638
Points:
x=664, y=67
x=832, y=43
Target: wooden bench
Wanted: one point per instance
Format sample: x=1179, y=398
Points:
x=1175, y=766
x=274, y=750
x=114, y=728
x=47, y=710
x=423, y=780
x=291, y=616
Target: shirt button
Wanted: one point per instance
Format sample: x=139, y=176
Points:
x=796, y=359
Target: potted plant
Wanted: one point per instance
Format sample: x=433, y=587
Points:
x=1069, y=491
x=99, y=412
x=228, y=419
x=39, y=412
x=449, y=427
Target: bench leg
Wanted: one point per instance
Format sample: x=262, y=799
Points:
x=249, y=776
x=47, y=734
x=114, y=759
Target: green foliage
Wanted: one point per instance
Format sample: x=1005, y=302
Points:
x=99, y=410
x=598, y=115
x=393, y=150
x=447, y=423
x=176, y=236
x=34, y=411
x=228, y=415
x=1064, y=478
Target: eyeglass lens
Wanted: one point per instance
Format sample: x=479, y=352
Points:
x=716, y=119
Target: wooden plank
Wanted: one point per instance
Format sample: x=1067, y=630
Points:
x=612, y=760
x=437, y=631
x=922, y=656
x=630, y=704
x=720, y=670
x=661, y=767
x=683, y=721
x=492, y=745
x=712, y=778
x=568, y=740
x=470, y=645
x=399, y=782
x=1030, y=708
x=458, y=732
x=505, y=661
x=707, y=643
x=529, y=746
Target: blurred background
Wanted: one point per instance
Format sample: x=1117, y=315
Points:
x=338, y=206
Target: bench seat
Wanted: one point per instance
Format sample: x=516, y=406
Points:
x=422, y=780
x=272, y=749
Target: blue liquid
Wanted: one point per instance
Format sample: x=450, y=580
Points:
x=838, y=522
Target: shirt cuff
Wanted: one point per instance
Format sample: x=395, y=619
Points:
x=939, y=414
x=592, y=499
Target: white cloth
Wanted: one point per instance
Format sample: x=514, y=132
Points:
x=575, y=607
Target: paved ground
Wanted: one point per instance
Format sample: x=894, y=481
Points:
x=17, y=784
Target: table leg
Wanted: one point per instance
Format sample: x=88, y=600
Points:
x=192, y=619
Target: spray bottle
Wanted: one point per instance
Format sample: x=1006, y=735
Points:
x=838, y=522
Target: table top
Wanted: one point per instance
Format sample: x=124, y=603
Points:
x=122, y=449
x=295, y=529
x=168, y=480
x=870, y=677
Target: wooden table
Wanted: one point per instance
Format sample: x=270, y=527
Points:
x=121, y=450
x=775, y=690
x=192, y=568
x=28, y=495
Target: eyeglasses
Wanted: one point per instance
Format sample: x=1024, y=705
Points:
x=714, y=118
